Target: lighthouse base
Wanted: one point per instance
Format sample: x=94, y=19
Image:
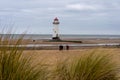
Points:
x=56, y=38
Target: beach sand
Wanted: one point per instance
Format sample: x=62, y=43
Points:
x=84, y=41
x=52, y=56
x=74, y=42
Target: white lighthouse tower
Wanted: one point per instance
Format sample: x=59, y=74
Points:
x=56, y=29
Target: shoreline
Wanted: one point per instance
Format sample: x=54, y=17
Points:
x=46, y=44
x=67, y=41
x=56, y=46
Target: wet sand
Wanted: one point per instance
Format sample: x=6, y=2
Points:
x=54, y=45
x=68, y=41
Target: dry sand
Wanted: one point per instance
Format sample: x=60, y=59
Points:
x=51, y=56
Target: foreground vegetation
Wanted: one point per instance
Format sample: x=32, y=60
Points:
x=88, y=67
x=15, y=66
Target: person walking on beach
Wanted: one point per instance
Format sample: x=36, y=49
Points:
x=61, y=47
x=67, y=47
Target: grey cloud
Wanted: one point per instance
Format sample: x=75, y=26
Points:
x=77, y=13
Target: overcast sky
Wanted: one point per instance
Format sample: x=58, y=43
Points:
x=75, y=16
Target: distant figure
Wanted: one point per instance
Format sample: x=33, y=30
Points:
x=33, y=40
x=61, y=47
x=67, y=47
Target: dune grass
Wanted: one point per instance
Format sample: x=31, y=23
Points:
x=88, y=67
x=14, y=66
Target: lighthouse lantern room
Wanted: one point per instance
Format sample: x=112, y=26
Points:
x=56, y=29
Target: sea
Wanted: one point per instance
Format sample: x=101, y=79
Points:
x=64, y=36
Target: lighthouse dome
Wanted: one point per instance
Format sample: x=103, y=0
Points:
x=56, y=19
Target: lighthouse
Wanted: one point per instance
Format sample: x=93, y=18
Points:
x=56, y=29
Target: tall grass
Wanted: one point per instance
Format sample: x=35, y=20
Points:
x=14, y=66
x=88, y=67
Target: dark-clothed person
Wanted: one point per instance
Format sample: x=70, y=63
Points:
x=67, y=47
x=61, y=47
